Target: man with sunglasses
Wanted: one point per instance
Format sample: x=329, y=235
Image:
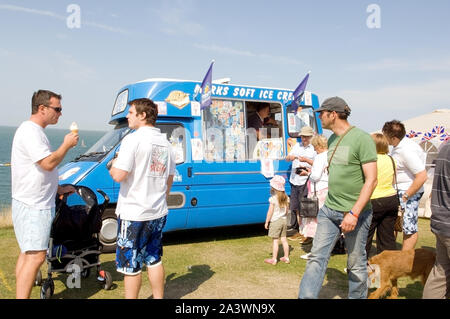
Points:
x=352, y=168
x=34, y=185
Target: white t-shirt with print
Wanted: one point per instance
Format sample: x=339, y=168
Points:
x=31, y=184
x=300, y=150
x=148, y=158
x=410, y=159
x=278, y=212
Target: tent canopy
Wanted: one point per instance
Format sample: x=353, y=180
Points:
x=434, y=126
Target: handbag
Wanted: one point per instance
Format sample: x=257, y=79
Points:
x=398, y=226
x=309, y=207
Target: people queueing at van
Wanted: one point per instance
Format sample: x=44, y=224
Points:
x=317, y=187
x=351, y=188
x=301, y=155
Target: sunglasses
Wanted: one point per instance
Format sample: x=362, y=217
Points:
x=57, y=109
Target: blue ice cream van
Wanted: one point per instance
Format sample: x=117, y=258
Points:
x=223, y=167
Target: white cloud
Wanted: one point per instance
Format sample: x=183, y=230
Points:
x=371, y=108
x=392, y=64
x=32, y=11
x=402, y=97
x=4, y=52
x=71, y=69
x=61, y=17
x=176, y=18
x=224, y=50
x=245, y=53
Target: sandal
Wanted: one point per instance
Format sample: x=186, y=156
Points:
x=285, y=260
x=270, y=261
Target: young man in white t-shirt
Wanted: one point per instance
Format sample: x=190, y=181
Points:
x=34, y=184
x=145, y=168
x=411, y=175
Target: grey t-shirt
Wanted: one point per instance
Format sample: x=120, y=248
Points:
x=440, y=194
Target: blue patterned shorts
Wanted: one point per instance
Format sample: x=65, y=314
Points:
x=411, y=215
x=139, y=243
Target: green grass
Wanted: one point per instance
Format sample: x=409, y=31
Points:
x=215, y=263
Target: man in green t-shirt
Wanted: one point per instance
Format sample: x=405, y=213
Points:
x=352, y=170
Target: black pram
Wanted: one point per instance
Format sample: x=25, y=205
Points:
x=74, y=246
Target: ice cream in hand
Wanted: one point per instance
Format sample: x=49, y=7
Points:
x=74, y=128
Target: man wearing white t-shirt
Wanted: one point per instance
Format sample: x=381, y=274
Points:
x=145, y=168
x=411, y=175
x=34, y=185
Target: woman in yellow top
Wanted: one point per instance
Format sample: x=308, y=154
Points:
x=384, y=199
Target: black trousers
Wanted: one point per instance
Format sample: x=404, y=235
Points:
x=383, y=221
x=297, y=192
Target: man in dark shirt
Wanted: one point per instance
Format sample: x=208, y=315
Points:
x=258, y=120
x=438, y=282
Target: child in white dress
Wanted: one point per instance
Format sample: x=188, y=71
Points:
x=276, y=219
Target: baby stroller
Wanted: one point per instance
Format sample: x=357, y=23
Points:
x=74, y=245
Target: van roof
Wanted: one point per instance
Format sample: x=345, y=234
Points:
x=179, y=80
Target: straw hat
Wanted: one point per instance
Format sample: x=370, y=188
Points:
x=306, y=131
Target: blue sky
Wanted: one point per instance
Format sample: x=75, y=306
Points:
x=399, y=70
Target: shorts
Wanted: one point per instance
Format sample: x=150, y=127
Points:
x=278, y=228
x=297, y=192
x=411, y=215
x=32, y=226
x=139, y=243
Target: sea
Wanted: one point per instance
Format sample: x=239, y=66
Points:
x=55, y=136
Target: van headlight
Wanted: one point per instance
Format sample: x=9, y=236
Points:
x=68, y=173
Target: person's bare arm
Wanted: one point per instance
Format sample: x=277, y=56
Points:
x=370, y=174
x=118, y=174
x=419, y=179
x=169, y=185
x=54, y=159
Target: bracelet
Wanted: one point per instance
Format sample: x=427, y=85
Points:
x=353, y=214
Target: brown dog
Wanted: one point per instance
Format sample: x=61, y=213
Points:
x=399, y=263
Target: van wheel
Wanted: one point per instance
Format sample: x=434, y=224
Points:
x=108, y=232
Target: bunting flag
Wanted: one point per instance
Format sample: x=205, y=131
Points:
x=438, y=129
x=428, y=136
x=298, y=93
x=444, y=137
x=205, y=89
x=413, y=134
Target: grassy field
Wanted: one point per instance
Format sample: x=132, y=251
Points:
x=219, y=264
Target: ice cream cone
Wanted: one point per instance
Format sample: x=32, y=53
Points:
x=74, y=128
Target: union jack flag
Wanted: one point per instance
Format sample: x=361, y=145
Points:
x=428, y=136
x=438, y=129
x=444, y=137
x=413, y=134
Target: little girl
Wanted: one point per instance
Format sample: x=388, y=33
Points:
x=276, y=216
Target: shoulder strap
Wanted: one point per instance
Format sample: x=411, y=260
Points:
x=340, y=139
x=395, y=177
